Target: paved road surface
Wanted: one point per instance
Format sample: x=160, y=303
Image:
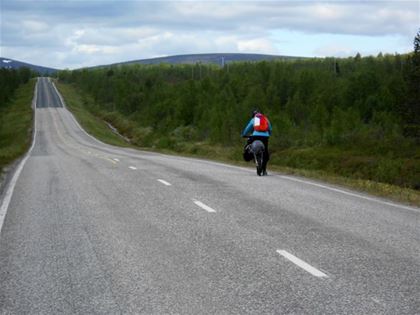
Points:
x=93, y=228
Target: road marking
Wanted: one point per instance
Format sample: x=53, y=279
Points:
x=349, y=193
x=116, y=160
x=377, y=301
x=110, y=160
x=203, y=206
x=302, y=264
x=236, y=167
x=11, y=187
x=74, y=118
x=164, y=182
x=132, y=167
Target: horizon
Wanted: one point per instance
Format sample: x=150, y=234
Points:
x=77, y=34
x=128, y=62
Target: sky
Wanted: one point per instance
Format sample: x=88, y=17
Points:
x=79, y=33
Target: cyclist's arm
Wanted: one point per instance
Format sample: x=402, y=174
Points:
x=249, y=128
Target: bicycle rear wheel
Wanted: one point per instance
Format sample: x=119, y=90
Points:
x=259, y=163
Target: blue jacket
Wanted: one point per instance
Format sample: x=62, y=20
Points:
x=250, y=128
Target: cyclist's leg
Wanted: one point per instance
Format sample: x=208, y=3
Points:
x=266, y=155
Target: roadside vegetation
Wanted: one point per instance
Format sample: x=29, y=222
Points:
x=355, y=118
x=93, y=123
x=16, y=114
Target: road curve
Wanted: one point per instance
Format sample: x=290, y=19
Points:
x=93, y=228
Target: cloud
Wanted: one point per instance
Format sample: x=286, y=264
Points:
x=80, y=33
x=335, y=50
x=33, y=26
x=256, y=45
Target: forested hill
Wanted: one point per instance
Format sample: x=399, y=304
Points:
x=355, y=117
x=7, y=63
x=218, y=59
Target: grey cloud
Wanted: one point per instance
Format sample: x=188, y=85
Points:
x=150, y=28
x=362, y=17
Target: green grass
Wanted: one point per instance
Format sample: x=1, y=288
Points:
x=349, y=168
x=16, y=121
x=89, y=119
x=397, y=193
x=354, y=163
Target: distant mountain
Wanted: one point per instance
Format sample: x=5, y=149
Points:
x=14, y=64
x=218, y=58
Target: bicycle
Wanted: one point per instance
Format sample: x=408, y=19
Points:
x=255, y=150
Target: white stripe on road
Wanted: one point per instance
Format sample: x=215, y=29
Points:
x=116, y=160
x=132, y=167
x=350, y=193
x=203, y=206
x=11, y=186
x=110, y=160
x=302, y=264
x=164, y=182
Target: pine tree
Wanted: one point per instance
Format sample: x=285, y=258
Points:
x=411, y=108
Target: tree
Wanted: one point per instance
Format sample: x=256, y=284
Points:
x=410, y=110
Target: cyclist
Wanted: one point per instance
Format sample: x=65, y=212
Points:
x=259, y=132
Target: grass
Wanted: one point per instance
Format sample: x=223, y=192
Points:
x=402, y=171
x=90, y=121
x=16, y=124
x=393, y=192
x=332, y=165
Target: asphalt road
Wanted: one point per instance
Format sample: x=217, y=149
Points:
x=93, y=228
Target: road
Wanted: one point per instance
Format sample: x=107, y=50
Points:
x=96, y=229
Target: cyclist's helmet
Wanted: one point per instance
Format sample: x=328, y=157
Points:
x=254, y=112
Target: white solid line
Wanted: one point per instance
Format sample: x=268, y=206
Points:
x=74, y=118
x=350, y=194
x=203, y=206
x=302, y=264
x=238, y=167
x=164, y=182
x=9, y=192
x=132, y=167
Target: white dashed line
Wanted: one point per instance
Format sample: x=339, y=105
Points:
x=110, y=160
x=203, y=206
x=164, y=182
x=302, y=264
x=132, y=167
x=116, y=160
x=377, y=301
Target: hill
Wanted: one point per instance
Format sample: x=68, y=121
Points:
x=15, y=64
x=338, y=116
x=218, y=58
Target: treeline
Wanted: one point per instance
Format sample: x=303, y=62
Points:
x=347, y=102
x=367, y=105
x=16, y=114
x=10, y=80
